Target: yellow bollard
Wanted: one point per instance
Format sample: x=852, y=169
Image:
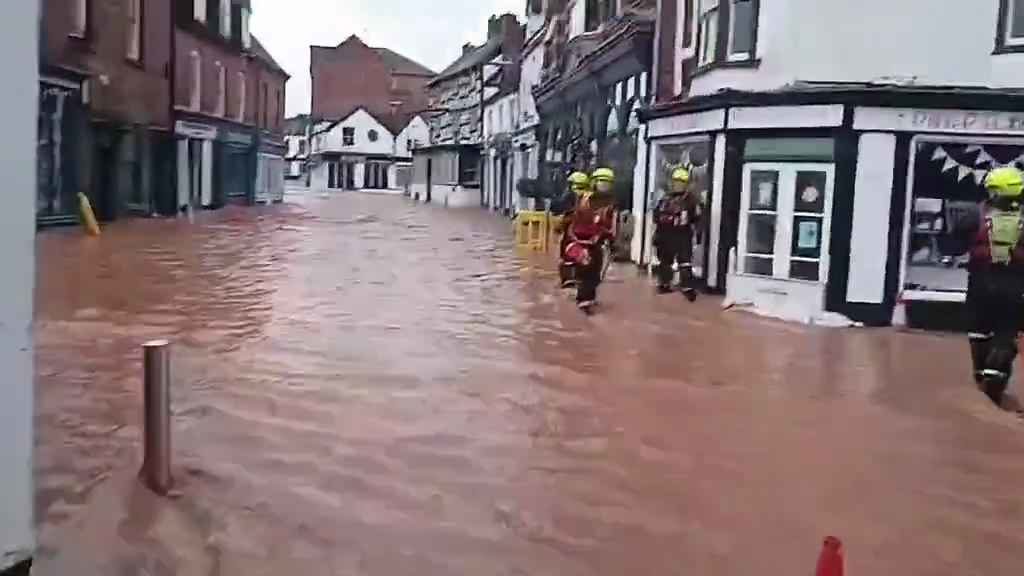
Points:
x=88, y=218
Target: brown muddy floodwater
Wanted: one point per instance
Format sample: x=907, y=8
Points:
x=368, y=386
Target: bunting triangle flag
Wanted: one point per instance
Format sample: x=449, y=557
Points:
x=948, y=165
x=979, y=176
x=973, y=148
x=940, y=153
x=984, y=158
x=963, y=172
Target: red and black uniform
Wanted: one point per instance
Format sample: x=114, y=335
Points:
x=592, y=223
x=675, y=217
x=566, y=209
x=995, y=299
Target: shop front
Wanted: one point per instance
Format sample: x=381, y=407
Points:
x=834, y=203
x=195, y=164
x=234, y=166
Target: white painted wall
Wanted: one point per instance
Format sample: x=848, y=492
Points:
x=416, y=130
x=19, y=27
x=869, y=238
x=938, y=42
x=362, y=122
x=533, y=62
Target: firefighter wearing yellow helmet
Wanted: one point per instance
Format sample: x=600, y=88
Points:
x=590, y=230
x=995, y=286
x=675, y=219
x=578, y=189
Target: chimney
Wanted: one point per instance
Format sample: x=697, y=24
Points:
x=493, y=27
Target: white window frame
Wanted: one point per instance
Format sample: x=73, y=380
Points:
x=241, y=96
x=344, y=142
x=199, y=10
x=1007, y=25
x=79, y=18
x=708, y=17
x=222, y=89
x=246, y=34
x=195, y=100
x=133, y=50
x=225, y=18
x=741, y=56
x=782, y=256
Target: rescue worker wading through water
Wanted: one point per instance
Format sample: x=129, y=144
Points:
x=995, y=287
x=591, y=225
x=579, y=186
x=675, y=217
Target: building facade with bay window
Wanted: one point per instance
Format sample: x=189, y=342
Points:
x=831, y=176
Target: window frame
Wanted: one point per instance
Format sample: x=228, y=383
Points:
x=724, y=36
x=81, y=21
x=195, y=98
x=222, y=89
x=348, y=136
x=244, y=27
x=135, y=37
x=1005, y=42
x=242, y=88
x=199, y=11
x=224, y=16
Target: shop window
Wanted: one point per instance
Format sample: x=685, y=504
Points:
x=693, y=154
x=348, y=136
x=947, y=188
x=785, y=219
x=133, y=44
x=708, y=32
x=1012, y=25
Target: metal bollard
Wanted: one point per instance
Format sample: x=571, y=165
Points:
x=156, y=461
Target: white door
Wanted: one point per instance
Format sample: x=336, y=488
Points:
x=785, y=221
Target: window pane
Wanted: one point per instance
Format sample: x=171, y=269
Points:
x=764, y=189
x=799, y=270
x=807, y=232
x=760, y=266
x=761, y=234
x=810, y=192
x=742, y=27
x=708, y=36
x=1017, y=19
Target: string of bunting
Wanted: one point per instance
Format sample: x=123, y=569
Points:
x=974, y=170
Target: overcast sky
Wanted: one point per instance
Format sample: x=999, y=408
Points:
x=431, y=32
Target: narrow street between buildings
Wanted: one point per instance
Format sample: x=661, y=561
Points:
x=365, y=385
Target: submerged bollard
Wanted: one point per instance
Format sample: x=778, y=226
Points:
x=156, y=461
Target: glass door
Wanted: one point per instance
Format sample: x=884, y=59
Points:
x=785, y=220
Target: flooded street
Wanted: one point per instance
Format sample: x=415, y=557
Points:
x=369, y=386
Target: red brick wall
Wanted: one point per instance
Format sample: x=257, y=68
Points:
x=355, y=75
x=121, y=90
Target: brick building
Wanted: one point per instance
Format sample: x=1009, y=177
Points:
x=229, y=97
x=105, y=116
x=352, y=75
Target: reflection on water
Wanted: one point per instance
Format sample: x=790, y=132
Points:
x=366, y=386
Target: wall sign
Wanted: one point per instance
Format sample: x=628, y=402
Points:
x=938, y=120
x=237, y=138
x=707, y=121
x=761, y=117
x=195, y=130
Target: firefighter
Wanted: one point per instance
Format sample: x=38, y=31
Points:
x=591, y=227
x=579, y=186
x=995, y=286
x=675, y=218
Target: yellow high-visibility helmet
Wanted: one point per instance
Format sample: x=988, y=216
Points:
x=681, y=175
x=603, y=175
x=1005, y=182
x=579, y=182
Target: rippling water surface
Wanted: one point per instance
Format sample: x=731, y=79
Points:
x=367, y=386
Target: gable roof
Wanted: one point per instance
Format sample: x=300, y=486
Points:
x=334, y=123
x=262, y=54
x=471, y=59
x=401, y=65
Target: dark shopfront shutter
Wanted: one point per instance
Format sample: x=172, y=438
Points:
x=235, y=173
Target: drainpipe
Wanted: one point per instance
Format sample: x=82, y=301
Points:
x=647, y=193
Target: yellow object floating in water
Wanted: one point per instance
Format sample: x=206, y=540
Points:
x=88, y=218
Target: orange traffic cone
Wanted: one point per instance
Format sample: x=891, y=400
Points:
x=831, y=561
